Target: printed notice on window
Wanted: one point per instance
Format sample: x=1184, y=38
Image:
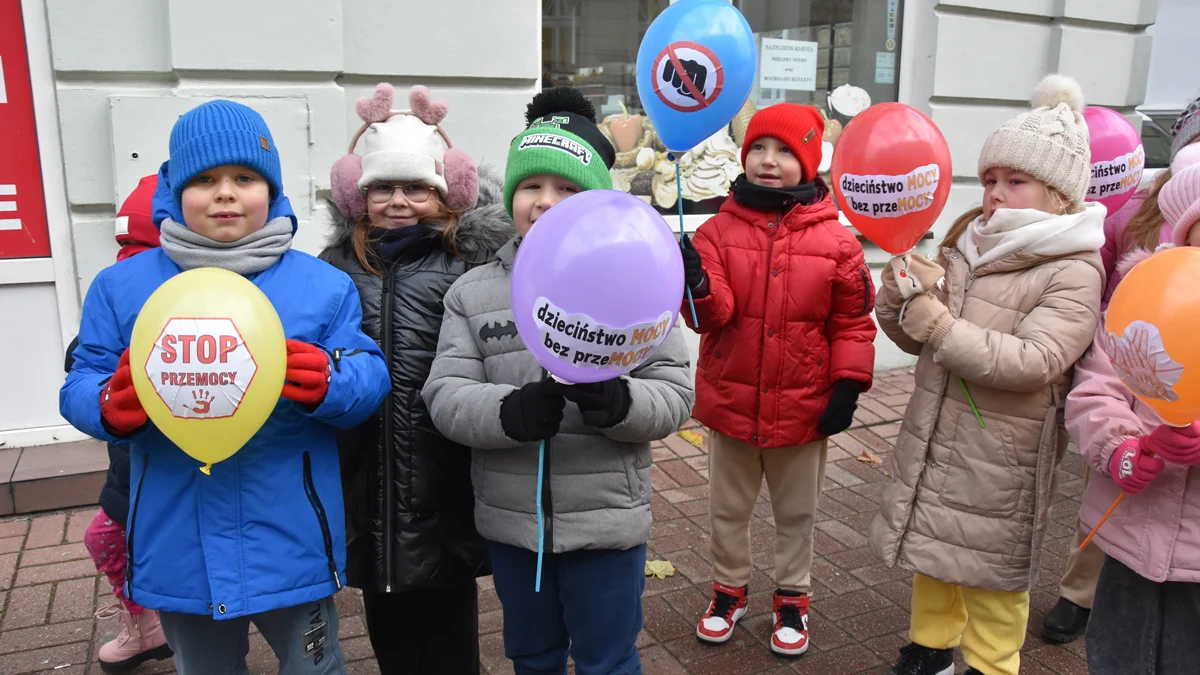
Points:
x=788, y=64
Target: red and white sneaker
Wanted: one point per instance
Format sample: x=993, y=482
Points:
x=727, y=606
x=791, y=625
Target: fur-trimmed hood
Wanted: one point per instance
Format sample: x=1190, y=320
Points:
x=1135, y=256
x=480, y=232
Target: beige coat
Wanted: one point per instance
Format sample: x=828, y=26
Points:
x=969, y=505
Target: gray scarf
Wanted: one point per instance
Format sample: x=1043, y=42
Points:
x=252, y=253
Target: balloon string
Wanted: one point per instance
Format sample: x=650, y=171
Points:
x=537, y=582
x=679, y=200
x=1102, y=520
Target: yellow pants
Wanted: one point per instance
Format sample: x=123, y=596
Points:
x=989, y=625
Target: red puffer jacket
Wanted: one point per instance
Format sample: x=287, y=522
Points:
x=787, y=314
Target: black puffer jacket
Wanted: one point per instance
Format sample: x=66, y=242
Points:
x=409, y=501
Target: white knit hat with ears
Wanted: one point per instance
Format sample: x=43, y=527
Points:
x=1049, y=142
x=403, y=146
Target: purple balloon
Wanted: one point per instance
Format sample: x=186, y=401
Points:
x=596, y=286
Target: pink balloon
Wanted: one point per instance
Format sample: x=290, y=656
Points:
x=1117, y=157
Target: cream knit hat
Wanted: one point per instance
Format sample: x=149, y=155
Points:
x=1049, y=142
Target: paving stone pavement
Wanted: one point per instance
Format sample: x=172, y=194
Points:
x=49, y=589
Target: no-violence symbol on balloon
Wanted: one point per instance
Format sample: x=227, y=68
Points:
x=688, y=76
x=201, y=368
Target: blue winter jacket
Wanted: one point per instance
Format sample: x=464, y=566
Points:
x=266, y=530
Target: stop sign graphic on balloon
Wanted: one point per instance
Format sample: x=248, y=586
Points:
x=891, y=174
x=209, y=360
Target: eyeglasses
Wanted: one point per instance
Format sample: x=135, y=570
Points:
x=382, y=193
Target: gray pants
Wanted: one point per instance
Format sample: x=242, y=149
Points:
x=1140, y=627
x=304, y=639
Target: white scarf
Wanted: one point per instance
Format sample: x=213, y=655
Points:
x=1035, y=232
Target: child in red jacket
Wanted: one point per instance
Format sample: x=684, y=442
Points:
x=783, y=298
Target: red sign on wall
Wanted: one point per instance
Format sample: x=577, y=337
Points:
x=23, y=232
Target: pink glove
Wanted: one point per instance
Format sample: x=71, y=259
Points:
x=1133, y=467
x=1177, y=445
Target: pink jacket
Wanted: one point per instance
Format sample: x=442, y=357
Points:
x=1115, y=245
x=1157, y=532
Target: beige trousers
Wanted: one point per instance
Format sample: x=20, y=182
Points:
x=1083, y=566
x=794, y=477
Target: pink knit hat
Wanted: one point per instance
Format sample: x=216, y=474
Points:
x=1179, y=199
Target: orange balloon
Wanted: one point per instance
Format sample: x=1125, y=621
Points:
x=1152, y=326
x=891, y=174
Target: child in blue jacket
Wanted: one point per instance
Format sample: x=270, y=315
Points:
x=262, y=538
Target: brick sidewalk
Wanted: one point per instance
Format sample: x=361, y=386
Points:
x=49, y=589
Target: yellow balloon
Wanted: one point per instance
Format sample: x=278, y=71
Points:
x=208, y=360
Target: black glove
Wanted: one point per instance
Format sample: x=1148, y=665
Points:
x=533, y=412
x=693, y=269
x=602, y=404
x=839, y=413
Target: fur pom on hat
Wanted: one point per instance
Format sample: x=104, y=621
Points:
x=403, y=146
x=1049, y=142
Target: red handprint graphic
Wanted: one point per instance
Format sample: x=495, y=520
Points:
x=202, y=402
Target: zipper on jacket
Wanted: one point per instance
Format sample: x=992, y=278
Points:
x=385, y=330
x=132, y=528
x=766, y=291
x=310, y=490
x=547, y=502
x=866, y=279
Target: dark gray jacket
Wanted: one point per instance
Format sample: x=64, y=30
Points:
x=597, y=493
x=409, y=505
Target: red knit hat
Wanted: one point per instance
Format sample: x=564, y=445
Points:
x=800, y=127
x=135, y=224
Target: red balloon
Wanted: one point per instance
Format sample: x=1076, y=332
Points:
x=891, y=175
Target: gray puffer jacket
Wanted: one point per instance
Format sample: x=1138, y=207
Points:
x=597, y=489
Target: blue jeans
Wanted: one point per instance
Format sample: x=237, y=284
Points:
x=590, y=605
x=205, y=646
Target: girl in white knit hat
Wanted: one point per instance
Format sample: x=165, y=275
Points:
x=998, y=321
x=411, y=215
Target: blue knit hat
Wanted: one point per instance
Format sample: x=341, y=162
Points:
x=218, y=133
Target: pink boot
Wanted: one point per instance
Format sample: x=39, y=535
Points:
x=141, y=639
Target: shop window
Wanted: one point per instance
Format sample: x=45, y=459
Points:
x=837, y=55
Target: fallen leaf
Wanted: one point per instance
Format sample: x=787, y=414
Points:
x=692, y=437
x=868, y=457
x=659, y=569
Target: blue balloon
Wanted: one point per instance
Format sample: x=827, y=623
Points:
x=695, y=69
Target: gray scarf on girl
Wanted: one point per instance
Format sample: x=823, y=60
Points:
x=252, y=253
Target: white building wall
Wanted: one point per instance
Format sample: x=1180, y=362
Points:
x=1174, y=80
x=125, y=69
x=972, y=64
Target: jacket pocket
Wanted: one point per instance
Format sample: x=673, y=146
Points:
x=982, y=475
x=310, y=490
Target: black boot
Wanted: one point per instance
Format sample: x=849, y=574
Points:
x=1065, y=623
x=918, y=660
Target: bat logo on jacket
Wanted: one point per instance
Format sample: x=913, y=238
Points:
x=496, y=330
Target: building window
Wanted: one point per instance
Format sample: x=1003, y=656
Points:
x=593, y=44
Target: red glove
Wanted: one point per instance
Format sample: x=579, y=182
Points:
x=1133, y=467
x=307, y=378
x=120, y=410
x=1177, y=445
